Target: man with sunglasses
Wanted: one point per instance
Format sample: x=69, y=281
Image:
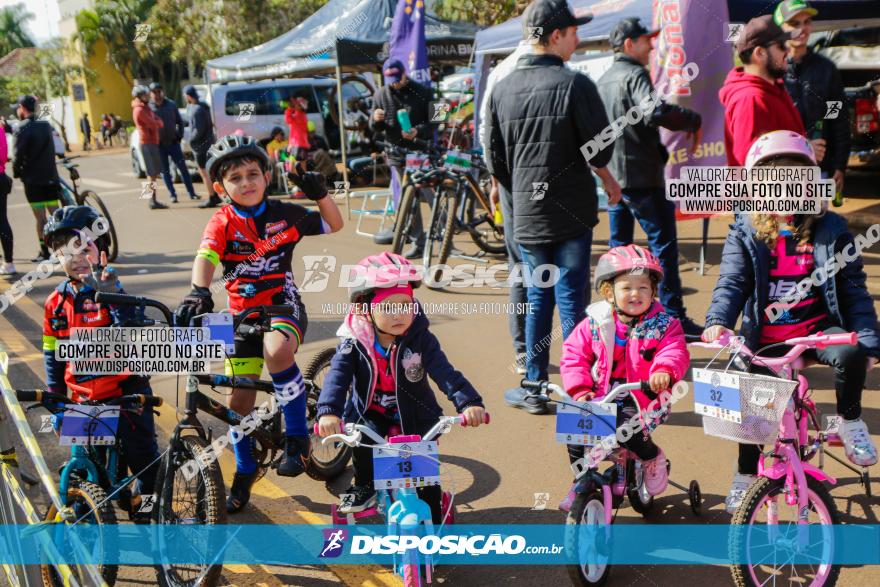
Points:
x=813, y=82
x=754, y=97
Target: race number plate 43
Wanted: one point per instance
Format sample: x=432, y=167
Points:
x=716, y=394
x=585, y=423
x=89, y=425
x=405, y=465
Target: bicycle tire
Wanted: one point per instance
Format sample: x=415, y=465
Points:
x=587, y=504
x=323, y=469
x=491, y=241
x=86, y=496
x=445, y=201
x=211, y=509
x=639, y=498
x=90, y=198
x=403, y=222
x=754, y=500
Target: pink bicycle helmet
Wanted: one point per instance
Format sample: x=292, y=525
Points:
x=778, y=143
x=627, y=259
x=381, y=271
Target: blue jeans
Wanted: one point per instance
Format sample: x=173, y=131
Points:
x=571, y=292
x=516, y=322
x=174, y=151
x=656, y=215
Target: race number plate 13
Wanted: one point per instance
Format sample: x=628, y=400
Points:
x=585, y=423
x=716, y=394
x=89, y=426
x=405, y=465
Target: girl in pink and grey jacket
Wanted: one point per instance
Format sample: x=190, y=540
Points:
x=624, y=339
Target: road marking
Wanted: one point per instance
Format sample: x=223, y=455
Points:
x=100, y=183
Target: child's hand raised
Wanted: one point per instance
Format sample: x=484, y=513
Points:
x=101, y=277
x=660, y=381
x=473, y=416
x=329, y=424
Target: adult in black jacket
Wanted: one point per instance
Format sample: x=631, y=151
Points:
x=639, y=158
x=813, y=81
x=170, y=136
x=34, y=165
x=540, y=116
x=400, y=93
x=201, y=138
x=86, y=128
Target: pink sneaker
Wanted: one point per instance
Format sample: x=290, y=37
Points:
x=656, y=474
x=565, y=504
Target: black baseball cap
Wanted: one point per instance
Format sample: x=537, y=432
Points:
x=156, y=86
x=393, y=70
x=761, y=31
x=191, y=91
x=550, y=15
x=28, y=102
x=629, y=28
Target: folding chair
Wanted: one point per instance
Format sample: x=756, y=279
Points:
x=384, y=212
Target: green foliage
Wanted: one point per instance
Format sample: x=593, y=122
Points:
x=12, y=32
x=115, y=22
x=481, y=12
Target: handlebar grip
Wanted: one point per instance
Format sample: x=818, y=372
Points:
x=341, y=425
x=530, y=384
x=486, y=419
x=119, y=299
x=844, y=338
x=29, y=395
x=151, y=401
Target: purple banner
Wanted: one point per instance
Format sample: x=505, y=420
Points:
x=692, y=32
x=407, y=40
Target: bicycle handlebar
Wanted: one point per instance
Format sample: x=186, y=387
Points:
x=799, y=345
x=354, y=432
x=621, y=390
x=42, y=396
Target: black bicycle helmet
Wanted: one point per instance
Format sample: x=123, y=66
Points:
x=67, y=221
x=234, y=146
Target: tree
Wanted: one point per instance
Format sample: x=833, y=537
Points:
x=12, y=32
x=481, y=12
x=115, y=22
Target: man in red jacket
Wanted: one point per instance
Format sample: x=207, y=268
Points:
x=148, y=124
x=754, y=96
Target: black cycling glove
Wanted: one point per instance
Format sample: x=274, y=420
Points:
x=312, y=184
x=198, y=301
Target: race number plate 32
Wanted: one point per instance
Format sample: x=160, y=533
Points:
x=89, y=426
x=585, y=423
x=716, y=394
x=405, y=465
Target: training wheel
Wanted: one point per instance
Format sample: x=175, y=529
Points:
x=695, y=496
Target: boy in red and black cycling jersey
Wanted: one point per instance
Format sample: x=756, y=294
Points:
x=253, y=239
x=69, y=235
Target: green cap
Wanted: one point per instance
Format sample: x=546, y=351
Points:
x=788, y=8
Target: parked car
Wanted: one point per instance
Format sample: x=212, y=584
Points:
x=138, y=166
x=856, y=52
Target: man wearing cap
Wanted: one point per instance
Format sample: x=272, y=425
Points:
x=34, y=165
x=399, y=93
x=201, y=138
x=812, y=81
x=639, y=158
x=170, y=136
x=148, y=125
x=754, y=97
x=539, y=117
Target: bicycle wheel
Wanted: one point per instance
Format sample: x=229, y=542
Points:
x=327, y=460
x=480, y=223
x=90, y=198
x=438, y=239
x=89, y=503
x=769, y=549
x=403, y=222
x=585, y=538
x=199, y=499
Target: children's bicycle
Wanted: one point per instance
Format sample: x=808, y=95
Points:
x=400, y=465
x=789, y=495
x=598, y=496
x=90, y=479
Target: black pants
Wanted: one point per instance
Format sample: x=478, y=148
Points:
x=850, y=370
x=362, y=461
x=639, y=443
x=5, y=228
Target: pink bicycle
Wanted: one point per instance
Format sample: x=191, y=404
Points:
x=789, y=495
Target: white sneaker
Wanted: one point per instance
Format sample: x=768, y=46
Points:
x=738, y=489
x=8, y=269
x=857, y=443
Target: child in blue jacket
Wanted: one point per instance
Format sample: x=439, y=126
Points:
x=383, y=358
x=764, y=259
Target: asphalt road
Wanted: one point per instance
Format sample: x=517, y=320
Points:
x=495, y=471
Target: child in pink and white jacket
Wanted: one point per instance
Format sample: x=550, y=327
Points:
x=625, y=339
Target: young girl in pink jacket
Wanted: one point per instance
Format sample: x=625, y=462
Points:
x=624, y=339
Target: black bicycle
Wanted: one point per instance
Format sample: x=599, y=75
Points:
x=71, y=196
x=185, y=496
